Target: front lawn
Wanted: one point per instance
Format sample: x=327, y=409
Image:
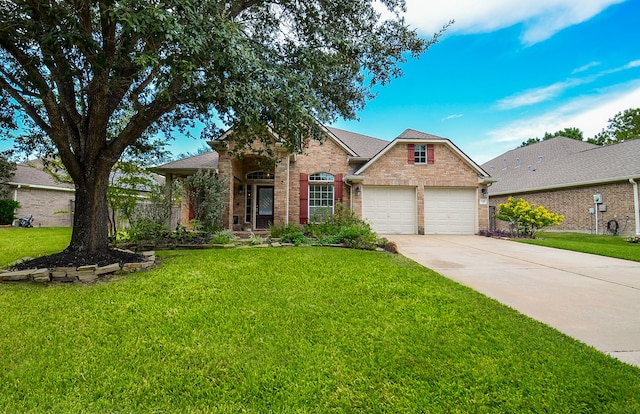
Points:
x=17, y=242
x=306, y=329
x=611, y=246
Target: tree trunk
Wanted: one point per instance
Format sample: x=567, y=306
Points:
x=91, y=218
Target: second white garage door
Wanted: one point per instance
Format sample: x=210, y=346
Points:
x=390, y=210
x=450, y=210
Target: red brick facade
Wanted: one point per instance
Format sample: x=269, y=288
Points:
x=392, y=168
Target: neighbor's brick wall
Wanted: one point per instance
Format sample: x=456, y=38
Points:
x=43, y=205
x=574, y=204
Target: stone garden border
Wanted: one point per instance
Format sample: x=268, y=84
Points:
x=85, y=274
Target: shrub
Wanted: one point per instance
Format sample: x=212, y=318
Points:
x=331, y=224
x=528, y=218
x=148, y=230
x=223, y=237
x=209, y=195
x=255, y=239
x=8, y=211
x=358, y=236
x=289, y=234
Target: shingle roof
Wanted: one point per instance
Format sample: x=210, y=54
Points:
x=562, y=162
x=189, y=165
x=413, y=134
x=30, y=173
x=363, y=145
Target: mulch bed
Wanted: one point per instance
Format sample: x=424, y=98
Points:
x=65, y=259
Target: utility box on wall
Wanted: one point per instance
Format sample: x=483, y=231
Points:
x=597, y=198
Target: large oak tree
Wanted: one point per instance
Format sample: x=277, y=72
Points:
x=87, y=79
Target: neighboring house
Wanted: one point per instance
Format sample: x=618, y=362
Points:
x=564, y=175
x=416, y=184
x=51, y=203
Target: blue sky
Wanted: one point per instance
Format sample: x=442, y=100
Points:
x=506, y=71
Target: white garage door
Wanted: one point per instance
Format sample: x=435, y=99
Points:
x=390, y=210
x=450, y=210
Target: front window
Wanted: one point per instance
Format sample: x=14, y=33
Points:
x=320, y=196
x=420, y=154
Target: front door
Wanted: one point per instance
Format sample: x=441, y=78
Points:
x=264, y=207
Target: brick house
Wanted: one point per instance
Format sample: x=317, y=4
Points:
x=564, y=175
x=416, y=184
x=51, y=203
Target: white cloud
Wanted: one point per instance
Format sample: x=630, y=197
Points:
x=534, y=96
x=542, y=94
x=589, y=113
x=585, y=67
x=541, y=18
x=452, y=117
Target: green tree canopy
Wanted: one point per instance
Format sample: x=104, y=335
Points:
x=573, y=133
x=622, y=127
x=87, y=79
x=7, y=168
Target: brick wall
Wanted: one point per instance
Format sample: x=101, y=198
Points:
x=49, y=208
x=320, y=156
x=574, y=204
x=392, y=169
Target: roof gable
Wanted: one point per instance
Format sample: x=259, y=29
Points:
x=413, y=136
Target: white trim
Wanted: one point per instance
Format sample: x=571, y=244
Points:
x=41, y=187
x=636, y=205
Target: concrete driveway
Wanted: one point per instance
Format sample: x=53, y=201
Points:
x=591, y=298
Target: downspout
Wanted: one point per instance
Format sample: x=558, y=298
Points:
x=286, y=193
x=15, y=198
x=636, y=205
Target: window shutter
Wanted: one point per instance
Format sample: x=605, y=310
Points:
x=304, y=198
x=337, y=188
x=411, y=153
x=430, y=154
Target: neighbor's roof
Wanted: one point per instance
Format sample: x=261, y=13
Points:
x=189, y=165
x=563, y=162
x=31, y=174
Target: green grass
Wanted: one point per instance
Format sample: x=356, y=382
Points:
x=16, y=242
x=308, y=330
x=611, y=246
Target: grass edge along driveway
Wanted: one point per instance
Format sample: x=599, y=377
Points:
x=291, y=330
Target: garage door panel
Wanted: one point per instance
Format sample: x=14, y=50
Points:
x=390, y=210
x=450, y=210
